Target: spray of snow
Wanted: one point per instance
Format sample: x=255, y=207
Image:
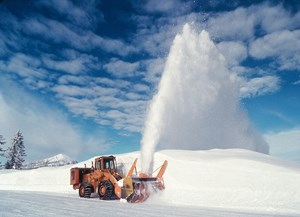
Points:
x=197, y=103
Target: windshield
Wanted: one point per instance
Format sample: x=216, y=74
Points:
x=109, y=164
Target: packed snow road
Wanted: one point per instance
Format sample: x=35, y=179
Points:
x=13, y=203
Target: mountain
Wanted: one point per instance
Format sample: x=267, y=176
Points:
x=55, y=161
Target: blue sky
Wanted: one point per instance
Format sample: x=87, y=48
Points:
x=76, y=76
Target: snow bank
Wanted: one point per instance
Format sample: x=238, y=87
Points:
x=226, y=179
x=236, y=179
x=46, y=179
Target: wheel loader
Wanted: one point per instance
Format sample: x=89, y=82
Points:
x=104, y=179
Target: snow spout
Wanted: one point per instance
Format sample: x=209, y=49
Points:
x=197, y=104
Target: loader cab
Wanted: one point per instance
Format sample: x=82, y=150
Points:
x=107, y=162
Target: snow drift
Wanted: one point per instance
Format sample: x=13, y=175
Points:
x=227, y=179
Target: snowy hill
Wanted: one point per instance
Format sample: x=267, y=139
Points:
x=57, y=160
x=229, y=179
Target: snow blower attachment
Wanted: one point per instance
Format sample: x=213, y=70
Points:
x=139, y=187
x=105, y=180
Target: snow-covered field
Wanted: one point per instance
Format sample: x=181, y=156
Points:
x=29, y=204
x=229, y=182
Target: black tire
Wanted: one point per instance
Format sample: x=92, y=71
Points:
x=85, y=191
x=105, y=190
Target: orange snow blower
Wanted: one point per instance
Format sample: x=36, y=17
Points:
x=139, y=187
x=109, y=184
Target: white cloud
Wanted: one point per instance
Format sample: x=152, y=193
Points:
x=3, y=47
x=272, y=18
x=85, y=107
x=117, y=83
x=45, y=129
x=72, y=90
x=37, y=84
x=234, y=52
x=255, y=82
x=241, y=23
x=59, y=33
x=73, y=67
x=292, y=63
x=233, y=25
x=123, y=117
x=258, y=86
x=77, y=65
x=154, y=68
x=134, y=96
x=77, y=35
x=109, y=102
x=141, y=88
x=121, y=69
x=85, y=91
x=52, y=29
x=10, y=30
x=104, y=122
x=111, y=45
x=283, y=45
x=166, y=7
x=26, y=66
x=156, y=37
x=90, y=81
x=285, y=144
x=115, y=114
x=275, y=44
x=71, y=79
x=105, y=91
x=85, y=15
x=275, y=18
x=86, y=95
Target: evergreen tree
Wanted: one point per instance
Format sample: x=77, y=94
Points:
x=11, y=154
x=16, y=153
x=7, y=165
x=2, y=142
x=21, y=151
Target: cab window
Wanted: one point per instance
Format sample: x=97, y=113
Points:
x=98, y=165
x=109, y=164
x=112, y=165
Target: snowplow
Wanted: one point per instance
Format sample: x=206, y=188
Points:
x=104, y=179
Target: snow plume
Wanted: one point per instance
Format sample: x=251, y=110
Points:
x=197, y=103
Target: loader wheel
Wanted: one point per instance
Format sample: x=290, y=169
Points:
x=85, y=191
x=105, y=190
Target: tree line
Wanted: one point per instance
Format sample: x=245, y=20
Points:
x=15, y=153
